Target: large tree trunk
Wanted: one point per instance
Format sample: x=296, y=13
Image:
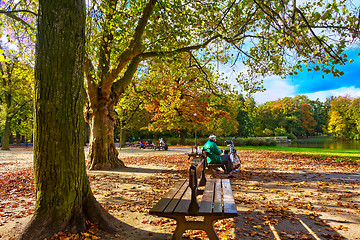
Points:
x=64, y=200
x=5, y=143
x=102, y=151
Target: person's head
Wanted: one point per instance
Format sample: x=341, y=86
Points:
x=226, y=151
x=212, y=137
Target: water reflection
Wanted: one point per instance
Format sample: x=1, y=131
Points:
x=325, y=142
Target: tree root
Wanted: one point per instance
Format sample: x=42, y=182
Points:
x=42, y=226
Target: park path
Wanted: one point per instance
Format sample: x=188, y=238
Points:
x=278, y=196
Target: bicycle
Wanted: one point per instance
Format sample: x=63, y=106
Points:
x=233, y=155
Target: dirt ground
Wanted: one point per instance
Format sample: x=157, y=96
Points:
x=278, y=196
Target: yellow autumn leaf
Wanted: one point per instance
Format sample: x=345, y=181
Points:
x=258, y=227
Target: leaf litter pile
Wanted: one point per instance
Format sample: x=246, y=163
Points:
x=278, y=196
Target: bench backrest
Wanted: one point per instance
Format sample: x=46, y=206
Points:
x=196, y=179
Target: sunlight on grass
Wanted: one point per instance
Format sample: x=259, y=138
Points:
x=349, y=155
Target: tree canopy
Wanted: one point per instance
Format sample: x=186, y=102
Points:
x=269, y=37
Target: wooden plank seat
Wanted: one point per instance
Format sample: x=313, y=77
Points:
x=210, y=167
x=215, y=197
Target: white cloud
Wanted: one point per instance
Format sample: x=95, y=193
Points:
x=275, y=88
x=278, y=89
x=322, y=95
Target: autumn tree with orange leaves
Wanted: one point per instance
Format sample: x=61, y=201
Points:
x=177, y=95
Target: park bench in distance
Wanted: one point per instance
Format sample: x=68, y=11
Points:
x=181, y=202
x=158, y=147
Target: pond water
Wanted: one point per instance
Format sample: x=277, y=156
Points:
x=325, y=142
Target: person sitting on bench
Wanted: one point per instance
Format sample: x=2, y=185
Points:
x=214, y=156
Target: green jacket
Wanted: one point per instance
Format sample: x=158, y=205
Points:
x=213, y=152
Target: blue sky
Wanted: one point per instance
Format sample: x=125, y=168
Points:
x=313, y=85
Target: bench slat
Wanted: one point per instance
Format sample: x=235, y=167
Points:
x=177, y=197
x=184, y=204
x=208, y=197
x=229, y=202
x=218, y=206
x=164, y=201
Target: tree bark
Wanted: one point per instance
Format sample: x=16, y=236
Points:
x=18, y=139
x=102, y=150
x=182, y=133
x=64, y=200
x=7, y=128
x=5, y=143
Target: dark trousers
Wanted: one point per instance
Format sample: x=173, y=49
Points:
x=227, y=163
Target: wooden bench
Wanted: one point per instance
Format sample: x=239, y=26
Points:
x=158, y=147
x=210, y=167
x=181, y=202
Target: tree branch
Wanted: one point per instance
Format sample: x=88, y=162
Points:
x=120, y=85
x=16, y=18
x=92, y=86
x=180, y=50
x=19, y=11
x=325, y=46
x=131, y=52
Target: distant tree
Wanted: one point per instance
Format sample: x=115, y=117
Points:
x=131, y=115
x=223, y=120
x=337, y=124
x=339, y=118
x=354, y=113
x=178, y=96
x=320, y=114
x=246, y=116
x=16, y=97
x=295, y=115
x=308, y=122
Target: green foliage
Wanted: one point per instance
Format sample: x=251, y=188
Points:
x=171, y=96
x=18, y=27
x=221, y=141
x=295, y=115
x=16, y=95
x=280, y=131
x=344, y=117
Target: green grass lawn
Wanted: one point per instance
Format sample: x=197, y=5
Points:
x=348, y=155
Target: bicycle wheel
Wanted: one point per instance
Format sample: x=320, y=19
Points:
x=236, y=162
